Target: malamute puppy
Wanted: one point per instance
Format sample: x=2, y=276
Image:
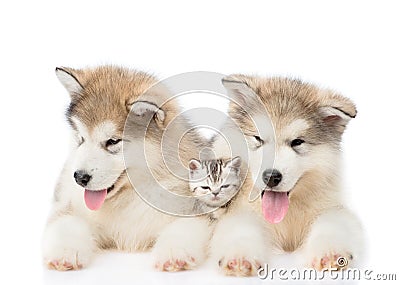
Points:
x=301, y=197
x=95, y=206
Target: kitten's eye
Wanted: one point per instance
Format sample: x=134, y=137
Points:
x=112, y=142
x=225, y=186
x=296, y=142
x=205, y=187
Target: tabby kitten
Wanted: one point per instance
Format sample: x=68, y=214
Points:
x=215, y=182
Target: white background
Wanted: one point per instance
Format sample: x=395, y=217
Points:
x=351, y=46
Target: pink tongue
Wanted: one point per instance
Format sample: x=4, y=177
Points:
x=94, y=199
x=275, y=206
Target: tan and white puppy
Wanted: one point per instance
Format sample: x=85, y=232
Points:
x=300, y=191
x=95, y=206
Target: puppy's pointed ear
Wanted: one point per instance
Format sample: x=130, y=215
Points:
x=234, y=163
x=239, y=90
x=69, y=78
x=147, y=111
x=336, y=110
x=194, y=165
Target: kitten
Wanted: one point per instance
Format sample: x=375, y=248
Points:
x=215, y=182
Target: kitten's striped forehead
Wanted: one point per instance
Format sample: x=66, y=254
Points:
x=214, y=169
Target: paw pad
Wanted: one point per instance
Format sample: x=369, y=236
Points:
x=239, y=267
x=176, y=265
x=331, y=260
x=63, y=265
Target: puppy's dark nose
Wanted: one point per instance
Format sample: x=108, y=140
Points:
x=272, y=177
x=82, y=178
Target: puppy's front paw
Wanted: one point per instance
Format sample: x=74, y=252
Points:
x=171, y=256
x=67, y=256
x=67, y=244
x=332, y=260
x=239, y=266
x=179, y=264
x=175, y=252
x=65, y=264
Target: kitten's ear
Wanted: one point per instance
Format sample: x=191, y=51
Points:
x=337, y=110
x=234, y=163
x=194, y=165
x=69, y=78
x=148, y=111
